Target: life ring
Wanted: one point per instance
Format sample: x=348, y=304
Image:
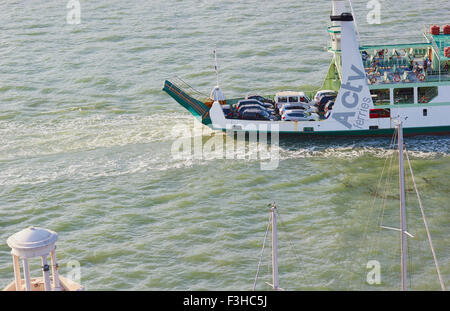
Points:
x=421, y=77
x=397, y=78
x=373, y=80
x=424, y=99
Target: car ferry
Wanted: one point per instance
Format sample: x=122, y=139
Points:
x=367, y=88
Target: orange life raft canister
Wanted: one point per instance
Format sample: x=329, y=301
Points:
x=435, y=30
x=447, y=51
x=446, y=29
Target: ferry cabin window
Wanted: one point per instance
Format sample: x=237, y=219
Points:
x=381, y=97
x=380, y=113
x=404, y=96
x=426, y=94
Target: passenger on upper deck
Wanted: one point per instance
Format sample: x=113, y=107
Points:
x=365, y=56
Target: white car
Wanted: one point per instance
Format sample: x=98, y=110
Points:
x=290, y=97
x=323, y=93
x=299, y=115
x=297, y=106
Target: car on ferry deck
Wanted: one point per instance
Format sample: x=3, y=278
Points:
x=329, y=106
x=299, y=115
x=297, y=106
x=324, y=100
x=227, y=111
x=251, y=102
x=290, y=97
x=323, y=93
x=257, y=114
x=241, y=109
x=261, y=99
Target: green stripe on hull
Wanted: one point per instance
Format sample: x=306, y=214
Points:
x=442, y=130
x=433, y=130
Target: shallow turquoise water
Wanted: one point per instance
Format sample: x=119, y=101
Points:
x=86, y=136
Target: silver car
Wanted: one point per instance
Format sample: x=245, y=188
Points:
x=299, y=115
x=297, y=106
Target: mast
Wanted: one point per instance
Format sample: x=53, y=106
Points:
x=402, y=204
x=272, y=222
x=274, y=248
x=216, y=68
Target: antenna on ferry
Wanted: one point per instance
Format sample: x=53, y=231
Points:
x=216, y=68
x=216, y=93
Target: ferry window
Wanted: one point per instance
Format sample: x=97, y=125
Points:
x=282, y=99
x=381, y=97
x=425, y=94
x=380, y=113
x=293, y=99
x=404, y=96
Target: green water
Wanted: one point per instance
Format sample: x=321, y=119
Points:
x=86, y=136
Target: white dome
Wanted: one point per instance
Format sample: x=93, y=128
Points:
x=32, y=238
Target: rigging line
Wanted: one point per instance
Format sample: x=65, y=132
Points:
x=290, y=241
x=382, y=212
x=386, y=188
x=262, y=252
x=384, y=199
x=376, y=192
x=389, y=175
x=188, y=85
x=372, y=207
x=375, y=245
x=425, y=223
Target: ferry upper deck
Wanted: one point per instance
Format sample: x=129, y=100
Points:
x=402, y=73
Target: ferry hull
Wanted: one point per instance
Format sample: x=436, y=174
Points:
x=202, y=113
x=418, y=131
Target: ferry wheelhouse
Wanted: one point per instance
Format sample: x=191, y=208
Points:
x=374, y=85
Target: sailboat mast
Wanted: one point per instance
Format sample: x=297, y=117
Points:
x=402, y=205
x=274, y=248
